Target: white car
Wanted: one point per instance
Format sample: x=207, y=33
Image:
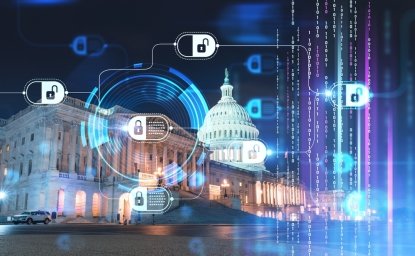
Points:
x=32, y=217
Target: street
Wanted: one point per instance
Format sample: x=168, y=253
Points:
x=287, y=239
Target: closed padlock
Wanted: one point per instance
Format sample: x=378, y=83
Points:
x=139, y=200
x=355, y=96
x=202, y=47
x=138, y=128
x=253, y=153
x=50, y=95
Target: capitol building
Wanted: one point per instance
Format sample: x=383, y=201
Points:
x=45, y=165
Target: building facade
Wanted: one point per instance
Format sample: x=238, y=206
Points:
x=46, y=163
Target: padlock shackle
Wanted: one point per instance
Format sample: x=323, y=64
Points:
x=207, y=40
x=54, y=86
x=137, y=122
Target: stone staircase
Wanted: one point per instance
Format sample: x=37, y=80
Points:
x=197, y=210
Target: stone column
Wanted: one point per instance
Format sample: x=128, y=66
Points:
x=206, y=176
x=54, y=148
x=60, y=144
x=165, y=160
x=142, y=157
x=193, y=172
x=185, y=170
x=174, y=175
x=129, y=160
x=89, y=167
x=72, y=147
x=235, y=154
x=154, y=161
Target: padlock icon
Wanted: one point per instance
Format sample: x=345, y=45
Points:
x=50, y=95
x=138, y=128
x=253, y=153
x=202, y=47
x=139, y=199
x=354, y=97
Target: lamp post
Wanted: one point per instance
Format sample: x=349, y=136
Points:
x=225, y=185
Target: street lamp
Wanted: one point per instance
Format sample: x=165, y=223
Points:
x=225, y=185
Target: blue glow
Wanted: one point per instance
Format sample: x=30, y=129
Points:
x=253, y=64
x=45, y=2
x=3, y=195
x=79, y=45
x=193, y=101
x=185, y=212
x=90, y=97
x=249, y=22
x=83, y=138
x=138, y=65
x=63, y=242
x=201, y=159
x=355, y=204
x=254, y=109
x=88, y=45
x=197, y=179
x=97, y=131
x=44, y=147
x=181, y=75
x=196, y=246
x=343, y=162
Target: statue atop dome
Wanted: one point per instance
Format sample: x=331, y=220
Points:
x=226, y=88
x=226, y=80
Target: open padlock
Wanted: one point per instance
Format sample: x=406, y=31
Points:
x=253, y=153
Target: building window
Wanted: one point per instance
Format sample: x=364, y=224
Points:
x=150, y=157
x=96, y=203
x=80, y=201
x=23, y=140
x=161, y=159
x=17, y=203
x=57, y=164
x=15, y=144
x=7, y=148
x=5, y=171
x=59, y=135
x=29, y=169
x=217, y=180
x=21, y=169
x=26, y=197
x=32, y=137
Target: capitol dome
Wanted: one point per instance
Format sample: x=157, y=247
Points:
x=227, y=120
x=226, y=126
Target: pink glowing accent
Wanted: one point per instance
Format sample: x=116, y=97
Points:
x=390, y=184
